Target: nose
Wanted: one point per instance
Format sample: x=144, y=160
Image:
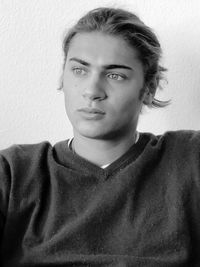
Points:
x=95, y=89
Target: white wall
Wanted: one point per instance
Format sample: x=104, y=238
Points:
x=31, y=32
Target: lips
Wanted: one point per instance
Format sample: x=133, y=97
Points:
x=92, y=114
x=91, y=110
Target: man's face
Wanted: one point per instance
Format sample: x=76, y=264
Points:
x=102, y=84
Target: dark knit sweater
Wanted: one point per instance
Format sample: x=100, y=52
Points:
x=57, y=209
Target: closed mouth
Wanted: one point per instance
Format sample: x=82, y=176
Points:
x=91, y=110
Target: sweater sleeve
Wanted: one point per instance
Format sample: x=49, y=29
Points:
x=5, y=182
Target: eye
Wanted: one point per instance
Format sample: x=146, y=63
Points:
x=116, y=76
x=79, y=71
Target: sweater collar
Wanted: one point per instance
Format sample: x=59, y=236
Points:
x=65, y=157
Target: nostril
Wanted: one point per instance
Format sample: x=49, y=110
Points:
x=92, y=96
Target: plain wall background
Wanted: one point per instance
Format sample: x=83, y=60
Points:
x=31, y=33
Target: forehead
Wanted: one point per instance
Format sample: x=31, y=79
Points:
x=100, y=48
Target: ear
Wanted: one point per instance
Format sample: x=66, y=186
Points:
x=148, y=97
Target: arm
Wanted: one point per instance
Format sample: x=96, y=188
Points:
x=5, y=182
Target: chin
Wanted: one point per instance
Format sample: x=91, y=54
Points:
x=100, y=134
x=90, y=130
x=92, y=134
x=103, y=131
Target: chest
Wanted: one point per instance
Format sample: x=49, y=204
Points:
x=137, y=217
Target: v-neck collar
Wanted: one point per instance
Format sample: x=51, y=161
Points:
x=65, y=157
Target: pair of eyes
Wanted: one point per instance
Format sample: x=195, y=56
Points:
x=78, y=71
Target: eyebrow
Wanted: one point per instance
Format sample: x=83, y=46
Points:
x=108, y=67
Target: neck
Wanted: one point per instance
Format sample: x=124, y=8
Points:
x=102, y=152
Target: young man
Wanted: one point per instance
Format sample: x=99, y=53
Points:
x=110, y=196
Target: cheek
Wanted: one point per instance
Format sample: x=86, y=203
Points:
x=72, y=98
x=70, y=84
x=128, y=104
x=131, y=109
x=71, y=92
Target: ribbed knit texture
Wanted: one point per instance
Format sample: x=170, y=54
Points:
x=58, y=209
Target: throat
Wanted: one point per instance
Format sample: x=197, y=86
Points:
x=99, y=152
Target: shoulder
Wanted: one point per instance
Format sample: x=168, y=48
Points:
x=19, y=163
x=186, y=135
x=22, y=151
x=182, y=139
x=180, y=148
x=182, y=145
